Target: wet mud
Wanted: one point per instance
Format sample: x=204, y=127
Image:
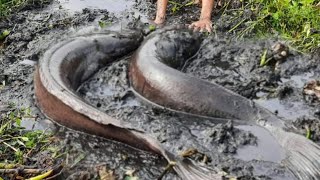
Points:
x=239, y=150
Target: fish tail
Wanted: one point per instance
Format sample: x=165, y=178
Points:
x=189, y=170
x=302, y=155
x=185, y=168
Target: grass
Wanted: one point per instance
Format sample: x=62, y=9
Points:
x=297, y=21
x=7, y=7
x=176, y=6
x=294, y=20
x=19, y=147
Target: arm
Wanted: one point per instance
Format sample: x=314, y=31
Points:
x=204, y=22
x=207, y=6
x=161, y=11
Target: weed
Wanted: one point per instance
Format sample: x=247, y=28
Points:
x=9, y=6
x=263, y=60
x=19, y=147
x=104, y=24
x=42, y=176
x=152, y=27
x=294, y=20
x=16, y=144
x=130, y=175
x=177, y=6
x=4, y=34
x=308, y=134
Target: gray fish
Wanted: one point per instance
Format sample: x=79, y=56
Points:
x=154, y=76
x=65, y=66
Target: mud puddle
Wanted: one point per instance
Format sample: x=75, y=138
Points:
x=113, y=6
x=289, y=108
x=266, y=149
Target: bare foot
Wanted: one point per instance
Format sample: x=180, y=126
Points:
x=202, y=25
x=159, y=20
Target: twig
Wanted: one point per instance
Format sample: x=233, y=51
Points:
x=225, y=7
x=12, y=166
x=10, y=146
x=18, y=170
x=42, y=176
x=167, y=169
x=237, y=25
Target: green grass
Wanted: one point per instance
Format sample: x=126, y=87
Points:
x=295, y=20
x=16, y=144
x=7, y=6
x=21, y=148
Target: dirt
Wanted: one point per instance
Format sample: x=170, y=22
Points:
x=243, y=151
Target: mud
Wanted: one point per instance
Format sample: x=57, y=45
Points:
x=244, y=151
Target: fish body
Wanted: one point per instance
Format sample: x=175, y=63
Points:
x=154, y=75
x=65, y=66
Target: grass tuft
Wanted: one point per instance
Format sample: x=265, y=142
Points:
x=8, y=7
x=294, y=20
x=17, y=144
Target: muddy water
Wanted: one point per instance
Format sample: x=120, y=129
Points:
x=114, y=6
x=245, y=151
x=266, y=148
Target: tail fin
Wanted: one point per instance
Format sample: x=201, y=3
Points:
x=188, y=170
x=185, y=168
x=302, y=155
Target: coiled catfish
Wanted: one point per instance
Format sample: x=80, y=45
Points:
x=153, y=76
x=65, y=66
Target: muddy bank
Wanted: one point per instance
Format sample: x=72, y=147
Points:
x=233, y=64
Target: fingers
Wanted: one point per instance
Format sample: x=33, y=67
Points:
x=209, y=27
x=191, y=26
x=206, y=28
x=201, y=26
x=196, y=28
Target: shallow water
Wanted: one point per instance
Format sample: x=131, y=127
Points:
x=286, y=110
x=299, y=80
x=291, y=108
x=267, y=149
x=114, y=6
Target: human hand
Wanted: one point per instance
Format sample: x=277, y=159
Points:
x=202, y=25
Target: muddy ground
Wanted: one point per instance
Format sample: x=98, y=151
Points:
x=243, y=151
